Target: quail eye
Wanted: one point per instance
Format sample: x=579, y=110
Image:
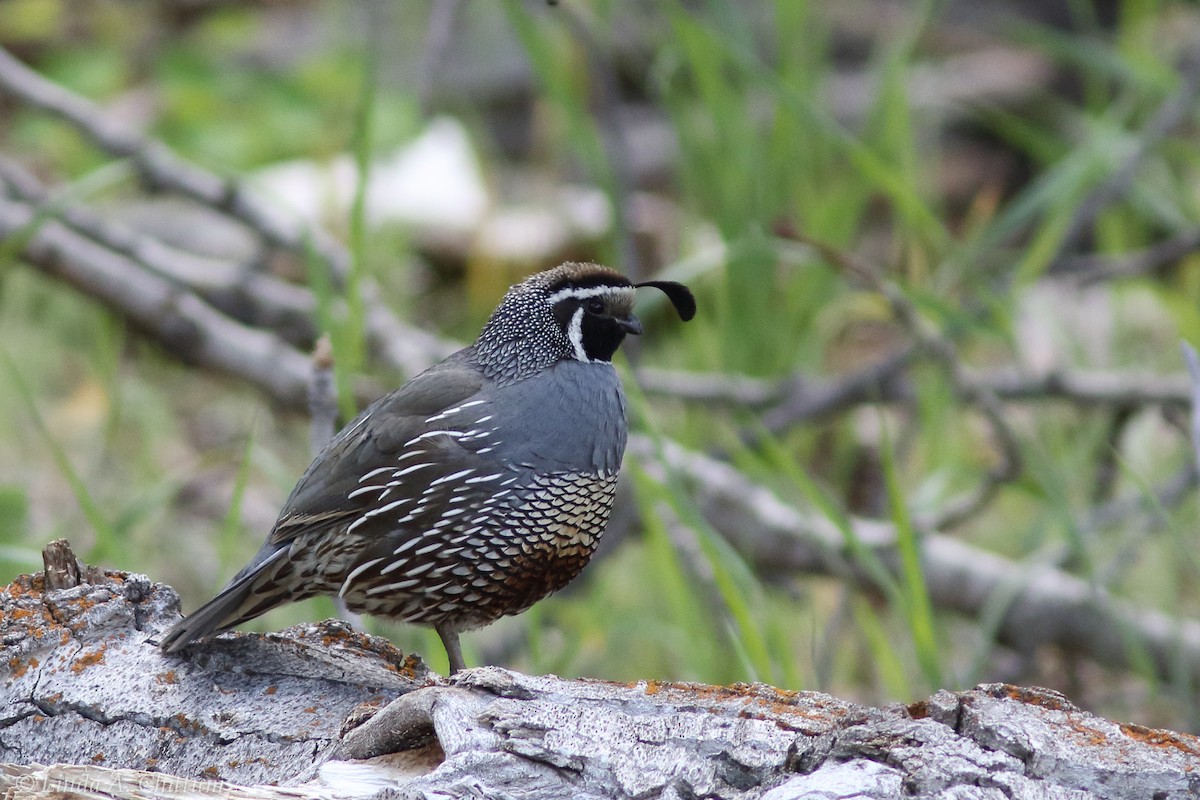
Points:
x=595, y=306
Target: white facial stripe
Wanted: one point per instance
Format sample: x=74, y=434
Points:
x=575, y=334
x=584, y=293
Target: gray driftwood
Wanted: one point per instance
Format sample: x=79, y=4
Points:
x=90, y=708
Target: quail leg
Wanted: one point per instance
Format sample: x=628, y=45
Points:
x=450, y=641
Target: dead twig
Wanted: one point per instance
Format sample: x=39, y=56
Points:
x=800, y=397
x=322, y=397
x=804, y=400
x=1043, y=605
x=613, y=138
x=1168, y=116
x=943, y=350
x=237, y=289
x=1096, y=268
x=437, y=40
x=160, y=169
x=1193, y=364
x=172, y=314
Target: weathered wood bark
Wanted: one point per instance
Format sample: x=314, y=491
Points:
x=90, y=708
x=83, y=683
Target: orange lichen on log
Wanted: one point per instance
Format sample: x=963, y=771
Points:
x=357, y=640
x=188, y=727
x=88, y=660
x=756, y=700
x=17, y=668
x=1155, y=737
x=25, y=585
x=1086, y=734
x=1034, y=696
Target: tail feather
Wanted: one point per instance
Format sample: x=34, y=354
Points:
x=241, y=600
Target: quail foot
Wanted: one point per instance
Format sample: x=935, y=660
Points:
x=476, y=488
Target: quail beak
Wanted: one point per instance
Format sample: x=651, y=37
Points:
x=630, y=324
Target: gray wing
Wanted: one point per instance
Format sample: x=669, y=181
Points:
x=336, y=491
x=325, y=495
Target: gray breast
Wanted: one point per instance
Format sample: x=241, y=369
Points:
x=568, y=418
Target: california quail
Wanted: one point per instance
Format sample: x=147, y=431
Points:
x=476, y=488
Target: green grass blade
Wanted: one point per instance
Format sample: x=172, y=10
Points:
x=860, y=555
x=106, y=545
x=231, y=527
x=888, y=665
x=99, y=179
x=350, y=357
x=682, y=602
x=918, y=608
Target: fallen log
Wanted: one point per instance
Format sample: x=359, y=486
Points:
x=91, y=708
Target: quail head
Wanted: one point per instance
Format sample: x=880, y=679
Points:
x=476, y=488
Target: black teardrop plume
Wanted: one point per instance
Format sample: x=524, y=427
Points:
x=679, y=295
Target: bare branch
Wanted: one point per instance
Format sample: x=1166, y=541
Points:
x=401, y=346
x=1044, y=605
x=710, y=387
x=322, y=397
x=1096, y=268
x=1168, y=116
x=613, y=137
x=160, y=168
x=805, y=401
x=437, y=40
x=176, y=317
x=945, y=352
x=801, y=397
x=1085, y=387
x=237, y=289
x=1193, y=365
